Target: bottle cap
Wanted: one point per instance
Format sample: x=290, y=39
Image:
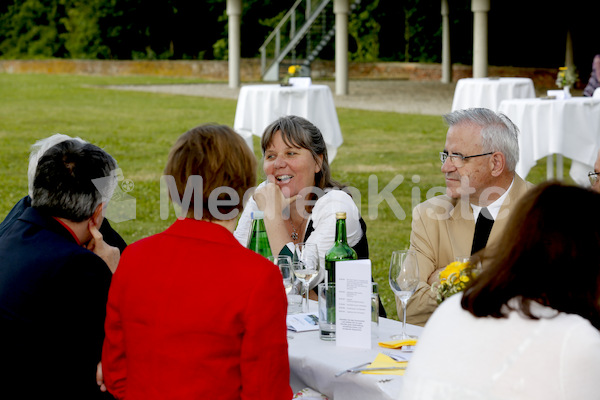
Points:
x=340, y=215
x=257, y=214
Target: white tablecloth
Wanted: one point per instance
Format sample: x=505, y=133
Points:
x=260, y=105
x=568, y=127
x=314, y=363
x=489, y=92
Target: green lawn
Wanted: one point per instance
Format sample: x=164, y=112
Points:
x=138, y=129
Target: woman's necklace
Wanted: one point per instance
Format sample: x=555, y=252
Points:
x=294, y=234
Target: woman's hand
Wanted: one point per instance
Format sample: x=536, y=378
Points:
x=271, y=199
x=100, y=377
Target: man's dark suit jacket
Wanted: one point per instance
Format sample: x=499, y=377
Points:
x=52, y=307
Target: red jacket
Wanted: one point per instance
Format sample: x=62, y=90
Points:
x=192, y=314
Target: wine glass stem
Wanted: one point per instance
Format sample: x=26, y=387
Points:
x=305, y=302
x=403, y=317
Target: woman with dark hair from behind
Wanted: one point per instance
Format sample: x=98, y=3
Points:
x=528, y=327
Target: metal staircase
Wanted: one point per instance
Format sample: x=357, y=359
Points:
x=299, y=38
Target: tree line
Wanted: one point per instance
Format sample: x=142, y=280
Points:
x=390, y=30
x=526, y=34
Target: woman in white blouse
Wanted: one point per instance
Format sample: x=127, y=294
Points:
x=299, y=197
x=528, y=326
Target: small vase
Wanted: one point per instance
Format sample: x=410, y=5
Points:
x=567, y=90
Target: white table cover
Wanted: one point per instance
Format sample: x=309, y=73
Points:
x=568, y=127
x=489, y=92
x=260, y=105
x=314, y=363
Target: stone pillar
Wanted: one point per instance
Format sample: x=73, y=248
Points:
x=480, y=9
x=446, y=61
x=234, y=16
x=341, y=9
x=569, y=52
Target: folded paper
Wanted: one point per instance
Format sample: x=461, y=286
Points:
x=383, y=361
x=396, y=344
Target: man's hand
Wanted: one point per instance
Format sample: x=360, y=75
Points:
x=435, y=276
x=109, y=254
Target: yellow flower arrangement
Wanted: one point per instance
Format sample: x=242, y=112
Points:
x=453, y=279
x=293, y=71
x=565, y=77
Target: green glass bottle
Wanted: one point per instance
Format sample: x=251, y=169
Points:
x=258, y=240
x=340, y=251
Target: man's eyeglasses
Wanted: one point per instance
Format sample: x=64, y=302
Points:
x=457, y=159
x=593, y=177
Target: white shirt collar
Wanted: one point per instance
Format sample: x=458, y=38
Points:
x=493, y=208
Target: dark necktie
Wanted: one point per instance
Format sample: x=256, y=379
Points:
x=483, y=227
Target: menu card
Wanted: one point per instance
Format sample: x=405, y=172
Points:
x=353, y=303
x=302, y=322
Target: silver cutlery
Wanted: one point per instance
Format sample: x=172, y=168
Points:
x=396, y=357
x=351, y=369
x=356, y=370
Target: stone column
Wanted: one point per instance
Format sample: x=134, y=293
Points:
x=446, y=62
x=480, y=9
x=341, y=9
x=234, y=15
x=569, y=52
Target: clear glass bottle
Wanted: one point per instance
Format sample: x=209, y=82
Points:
x=258, y=240
x=340, y=251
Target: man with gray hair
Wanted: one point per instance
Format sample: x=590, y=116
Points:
x=478, y=163
x=37, y=150
x=55, y=272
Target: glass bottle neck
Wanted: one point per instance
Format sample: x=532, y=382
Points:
x=340, y=231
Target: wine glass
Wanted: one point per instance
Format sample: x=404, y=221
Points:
x=404, y=279
x=306, y=267
x=285, y=267
x=284, y=263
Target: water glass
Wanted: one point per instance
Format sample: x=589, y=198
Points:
x=375, y=310
x=327, y=311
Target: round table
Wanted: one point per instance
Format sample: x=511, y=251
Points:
x=490, y=92
x=569, y=127
x=259, y=105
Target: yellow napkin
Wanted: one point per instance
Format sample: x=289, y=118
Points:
x=383, y=361
x=396, y=344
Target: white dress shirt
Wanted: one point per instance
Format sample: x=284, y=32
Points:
x=493, y=208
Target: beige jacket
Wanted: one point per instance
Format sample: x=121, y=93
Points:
x=442, y=229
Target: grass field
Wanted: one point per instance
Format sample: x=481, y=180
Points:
x=381, y=149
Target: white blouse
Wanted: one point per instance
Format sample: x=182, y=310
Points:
x=461, y=357
x=323, y=222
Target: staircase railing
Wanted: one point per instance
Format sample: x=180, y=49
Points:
x=302, y=34
x=299, y=23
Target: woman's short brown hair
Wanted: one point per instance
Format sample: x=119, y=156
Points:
x=221, y=158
